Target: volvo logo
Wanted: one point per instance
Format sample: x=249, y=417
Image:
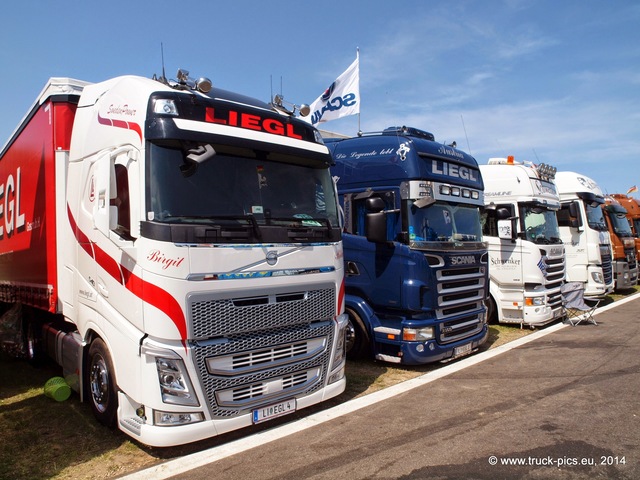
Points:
x=272, y=257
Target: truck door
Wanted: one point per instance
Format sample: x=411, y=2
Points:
x=106, y=213
x=504, y=246
x=379, y=265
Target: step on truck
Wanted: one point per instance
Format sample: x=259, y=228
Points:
x=625, y=263
x=526, y=255
x=584, y=234
x=177, y=249
x=415, y=263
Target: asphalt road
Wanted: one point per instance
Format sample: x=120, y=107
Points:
x=563, y=406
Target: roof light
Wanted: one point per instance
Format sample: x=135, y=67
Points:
x=547, y=170
x=203, y=84
x=455, y=191
x=510, y=159
x=445, y=189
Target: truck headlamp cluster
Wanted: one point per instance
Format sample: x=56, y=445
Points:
x=534, y=301
x=175, y=385
x=417, y=334
x=339, y=357
x=165, y=106
x=459, y=192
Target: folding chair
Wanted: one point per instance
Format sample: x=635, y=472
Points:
x=575, y=305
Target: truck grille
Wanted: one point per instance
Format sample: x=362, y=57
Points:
x=252, y=351
x=461, y=295
x=215, y=317
x=555, y=272
x=607, y=264
x=630, y=254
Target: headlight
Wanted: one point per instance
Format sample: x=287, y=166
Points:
x=597, y=277
x=166, y=107
x=167, y=419
x=339, y=356
x=534, y=301
x=417, y=334
x=175, y=385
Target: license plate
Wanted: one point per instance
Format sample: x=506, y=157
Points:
x=272, y=411
x=463, y=350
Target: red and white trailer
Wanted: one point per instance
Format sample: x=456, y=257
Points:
x=177, y=250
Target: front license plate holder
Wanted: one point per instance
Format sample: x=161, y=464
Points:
x=462, y=350
x=274, y=410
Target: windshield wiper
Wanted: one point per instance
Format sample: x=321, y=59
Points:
x=256, y=227
x=305, y=227
x=211, y=219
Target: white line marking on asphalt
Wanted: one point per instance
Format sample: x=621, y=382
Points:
x=200, y=459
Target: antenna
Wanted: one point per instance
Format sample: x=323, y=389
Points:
x=164, y=77
x=465, y=134
x=536, y=154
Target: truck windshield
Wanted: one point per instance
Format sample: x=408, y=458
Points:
x=620, y=224
x=234, y=188
x=445, y=222
x=540, y=224
x=595, y=217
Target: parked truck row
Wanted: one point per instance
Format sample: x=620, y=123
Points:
x=198, y=261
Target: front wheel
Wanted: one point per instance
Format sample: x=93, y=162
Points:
x=358, y=342
x=492, y=311
x=101, y=383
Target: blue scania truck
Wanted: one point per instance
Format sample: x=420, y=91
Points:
x=415, y=263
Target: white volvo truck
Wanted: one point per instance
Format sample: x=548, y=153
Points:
x=164, y=242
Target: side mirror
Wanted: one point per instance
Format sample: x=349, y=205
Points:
x=113, y=217
x=574, y=214
x=375, y=227
x=503, y=213
x=374, y=204
x=375, y=221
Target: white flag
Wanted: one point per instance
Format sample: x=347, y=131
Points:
x=341, y=99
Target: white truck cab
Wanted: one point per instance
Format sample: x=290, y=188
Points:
x=526, y=255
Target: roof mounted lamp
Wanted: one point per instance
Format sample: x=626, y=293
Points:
x=279, y=101
x=202, y=84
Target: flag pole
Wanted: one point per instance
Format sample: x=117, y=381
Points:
x=360, y=99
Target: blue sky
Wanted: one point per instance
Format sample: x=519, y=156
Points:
x=549, y=81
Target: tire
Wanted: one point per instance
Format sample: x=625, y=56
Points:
x=358, y=341
x=100, y=383
x=492, y=311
